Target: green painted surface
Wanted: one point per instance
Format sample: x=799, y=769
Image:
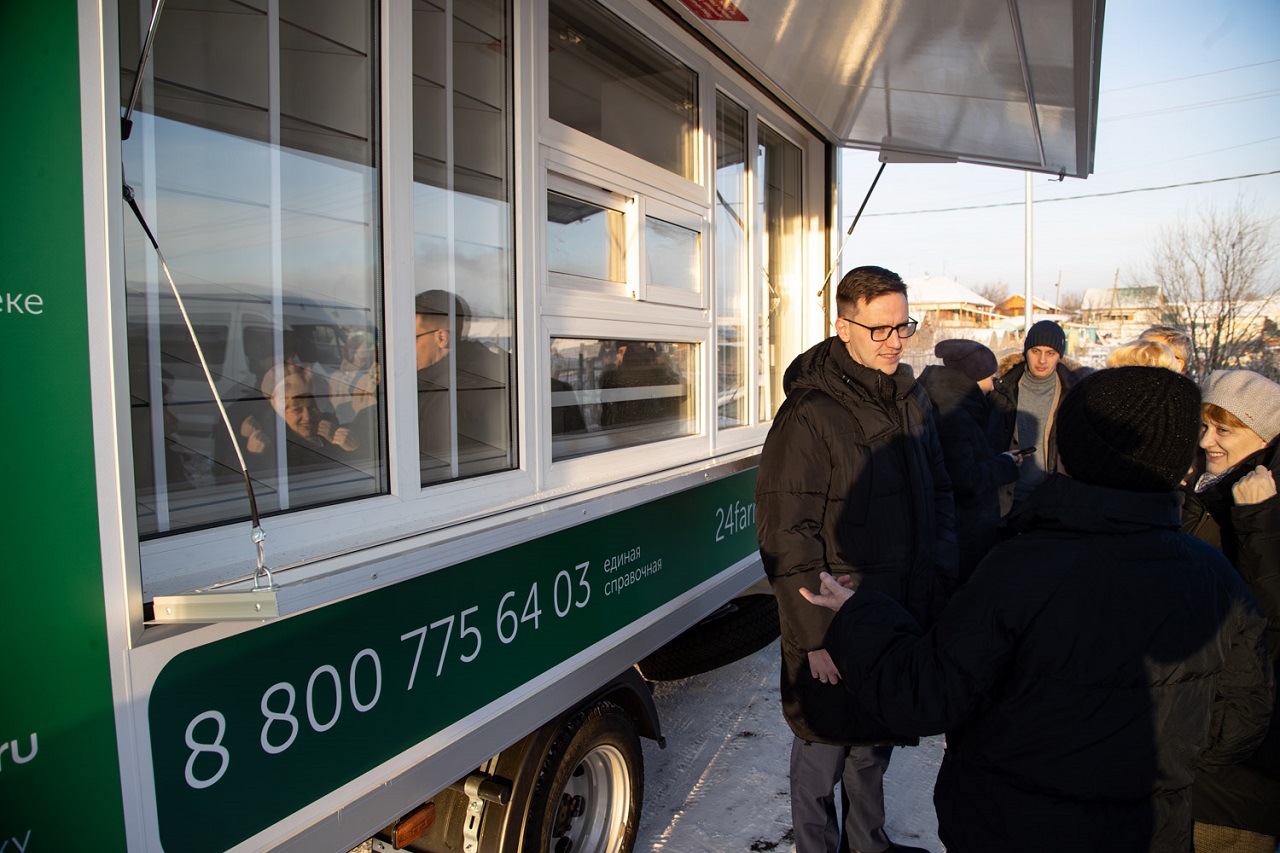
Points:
x=247, y=730
x=57, y=735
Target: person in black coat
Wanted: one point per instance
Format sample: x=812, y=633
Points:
x=1091, y=664
x=1027, y=392
x=851, y=480
x=958, y=389
x=1232, y=504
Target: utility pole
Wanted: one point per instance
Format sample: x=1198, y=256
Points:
x=1027, y=250
x=1057, y=294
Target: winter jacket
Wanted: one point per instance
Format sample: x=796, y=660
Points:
x=1247, y=795
x=1082, y=674
x=851, y=481
x=1004, y=396
x=976, y=467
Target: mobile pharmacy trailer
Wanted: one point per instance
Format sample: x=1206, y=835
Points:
x=399, y=374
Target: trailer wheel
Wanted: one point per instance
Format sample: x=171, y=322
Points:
x=742, y=627
x=590, y=788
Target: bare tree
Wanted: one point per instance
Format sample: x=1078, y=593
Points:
x=1071, y=302
x=1212, y=272
x=996, y=291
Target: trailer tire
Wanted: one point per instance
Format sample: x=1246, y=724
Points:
x=740, y=628
x=590, y=787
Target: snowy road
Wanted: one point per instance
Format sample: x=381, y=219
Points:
x=720, y=786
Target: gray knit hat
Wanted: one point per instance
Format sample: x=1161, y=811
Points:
x=1251, y=397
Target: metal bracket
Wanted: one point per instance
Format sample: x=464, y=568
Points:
x=475, y=813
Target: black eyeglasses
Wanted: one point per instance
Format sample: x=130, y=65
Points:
x=881, y=333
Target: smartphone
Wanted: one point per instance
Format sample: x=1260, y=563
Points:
x=1024, y=451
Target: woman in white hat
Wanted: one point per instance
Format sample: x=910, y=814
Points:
x=1233, y=504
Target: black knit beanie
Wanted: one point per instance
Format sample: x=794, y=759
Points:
x=1046, y=333
x=1131, y=428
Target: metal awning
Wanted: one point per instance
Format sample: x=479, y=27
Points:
x=1002, y=82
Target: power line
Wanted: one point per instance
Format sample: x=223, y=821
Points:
x=1076, y=197
x=1214, y=151
x=1191, y=76
x=1234, y=99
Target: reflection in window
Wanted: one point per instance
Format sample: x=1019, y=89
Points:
x=254, y=156
x=732, y=272
x=610, y=82
x=607, y=394
x=584, y=239
x=673, y=256
x=462, y=222
x=778, y=165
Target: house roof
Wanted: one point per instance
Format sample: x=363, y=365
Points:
x=1020, y=299
x=931, y=290
x=1099, y=298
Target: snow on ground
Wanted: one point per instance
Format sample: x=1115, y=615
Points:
x=721, y=785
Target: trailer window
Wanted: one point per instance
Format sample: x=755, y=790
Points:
x=673, y=256
x=254, y=156
x=732, y=267
x=608, y=394
x=780, y=220
x=585, y=240
x=463, y=222
x=610, y=82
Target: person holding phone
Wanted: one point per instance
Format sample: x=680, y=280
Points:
x=959, y=389
x=1027, y=395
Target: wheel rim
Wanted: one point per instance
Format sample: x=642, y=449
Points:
x=595, y=804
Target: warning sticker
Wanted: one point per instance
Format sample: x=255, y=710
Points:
x=715, y=10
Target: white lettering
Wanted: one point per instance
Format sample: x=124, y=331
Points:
x=616, y=585
x=21, y=303
x=20, y=846
x=612, y=564
x=13, y=750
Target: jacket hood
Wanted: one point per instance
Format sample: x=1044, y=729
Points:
x=1063, y=504
x=828, y=367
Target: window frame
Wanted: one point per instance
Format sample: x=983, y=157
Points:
x=335, y=541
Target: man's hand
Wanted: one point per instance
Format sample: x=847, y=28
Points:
x=822, y=667
x=832, y=594
x=1255, y=487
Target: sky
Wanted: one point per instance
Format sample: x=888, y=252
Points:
x=1190, y=92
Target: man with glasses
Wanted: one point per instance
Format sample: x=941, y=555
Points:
x=851, y=482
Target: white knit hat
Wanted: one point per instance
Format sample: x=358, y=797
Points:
x=1251, y=397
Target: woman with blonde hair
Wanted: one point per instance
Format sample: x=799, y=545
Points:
x=1232, y=503
x=1144, y=353
x=1178, y=340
